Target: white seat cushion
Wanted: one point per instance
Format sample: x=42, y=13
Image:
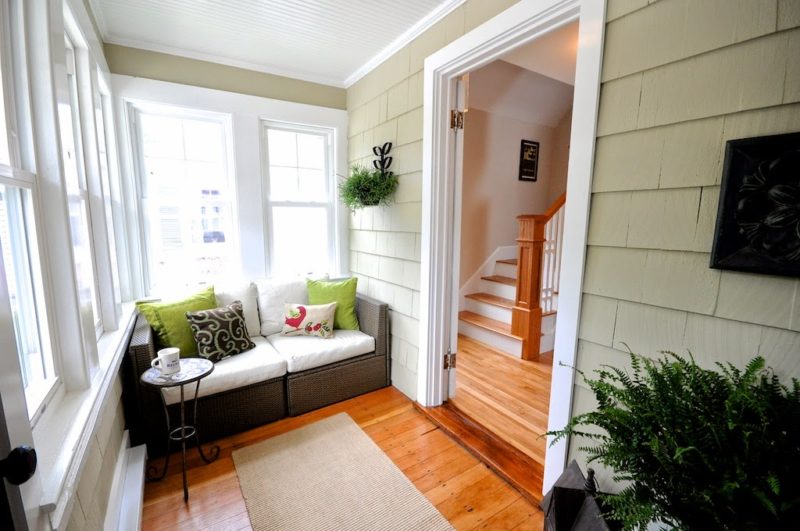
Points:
x=256, y=365
x=245, y=292
x=302, y=352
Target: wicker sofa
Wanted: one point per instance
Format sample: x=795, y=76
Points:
x=241, y=408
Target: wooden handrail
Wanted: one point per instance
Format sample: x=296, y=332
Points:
x=526, y=315
x=556, y=206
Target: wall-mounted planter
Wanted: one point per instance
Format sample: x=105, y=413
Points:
x=370, y=187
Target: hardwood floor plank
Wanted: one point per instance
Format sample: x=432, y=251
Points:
x=508, y=396
x=518, y=513
x=470, y=493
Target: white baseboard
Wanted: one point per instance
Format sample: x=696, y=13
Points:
x=129, y=486
x=115, y=496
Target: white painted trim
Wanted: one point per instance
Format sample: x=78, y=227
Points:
x=77, y=416
x=222, y=60
x=130, y=513
x=515, y=26
x=99, y=17
x=423, y=25
x=117, y=493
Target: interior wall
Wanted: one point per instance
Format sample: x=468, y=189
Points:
x=385, y=242
x=680, y=78
x=559, y=164
x=492, y=194
x=165, y=67
x=247, y=114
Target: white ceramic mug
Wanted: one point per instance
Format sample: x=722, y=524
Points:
x=168, y=360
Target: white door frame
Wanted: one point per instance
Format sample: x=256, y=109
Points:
x=517, y=25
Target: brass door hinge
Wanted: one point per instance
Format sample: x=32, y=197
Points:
x=450, y=360
x=456, y=119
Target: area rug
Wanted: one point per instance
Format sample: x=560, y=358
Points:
x=329, y=475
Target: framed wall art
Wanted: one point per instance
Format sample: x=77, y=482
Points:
x=529, y=161
x=758, y=218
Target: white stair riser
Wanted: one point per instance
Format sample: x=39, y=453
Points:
x=507, y=270
x=549, y=324
x=547, y=343
x=505, y=344
x=499, y=289
x=488, y=310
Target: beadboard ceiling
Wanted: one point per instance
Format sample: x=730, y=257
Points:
x=327, y=41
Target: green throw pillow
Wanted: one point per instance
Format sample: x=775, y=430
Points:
x=169, y=321
x=343, y=293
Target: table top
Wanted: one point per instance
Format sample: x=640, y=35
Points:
x=192, y=369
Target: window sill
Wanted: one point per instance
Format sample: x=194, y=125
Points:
x=64, y=432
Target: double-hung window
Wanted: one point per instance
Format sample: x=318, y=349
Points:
x=77, y=193
x=187, y=197
x=19, y=248
x=300, y=199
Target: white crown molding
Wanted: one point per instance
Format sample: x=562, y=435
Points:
x=202, y=56
x=425, y=23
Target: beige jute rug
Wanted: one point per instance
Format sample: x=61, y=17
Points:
x=329, y=475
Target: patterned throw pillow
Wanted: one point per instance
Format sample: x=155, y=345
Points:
x=308, y=320
x=220, y=332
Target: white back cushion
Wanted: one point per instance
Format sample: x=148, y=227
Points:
x=246, y=293
x=272, y=295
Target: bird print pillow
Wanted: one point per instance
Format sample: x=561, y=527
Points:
x=308, y=320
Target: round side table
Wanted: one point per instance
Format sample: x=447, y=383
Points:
x=192, y=371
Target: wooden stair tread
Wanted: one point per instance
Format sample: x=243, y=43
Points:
x=489, y=324
x=501, y=279
x=509, y=261
x=494, y=300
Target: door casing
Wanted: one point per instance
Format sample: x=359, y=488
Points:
x=518, y=25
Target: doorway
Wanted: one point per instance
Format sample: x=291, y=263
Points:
x=518, y=25
x=516, y=130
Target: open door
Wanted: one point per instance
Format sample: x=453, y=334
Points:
x=21, y=493
x=457, y=120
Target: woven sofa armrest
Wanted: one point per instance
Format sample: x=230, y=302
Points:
x=373, y=319
x=142, y=347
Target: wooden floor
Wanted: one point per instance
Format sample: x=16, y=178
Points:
x=464, y=490
x=508, y=396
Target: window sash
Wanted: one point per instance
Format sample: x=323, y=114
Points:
x=277, y=257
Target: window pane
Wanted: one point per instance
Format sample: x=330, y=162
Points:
x=203, y=140
x=189, y=213
x=300, y=240
x=311, y=151
x=282, y=183
x=282, y=147
x=20, y=259
x=297, y=166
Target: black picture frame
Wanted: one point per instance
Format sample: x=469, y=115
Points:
x=758, y=218
x=529, y=160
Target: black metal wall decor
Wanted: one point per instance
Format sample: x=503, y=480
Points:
x=758, y=219
x=529, y=161
x=384, y=160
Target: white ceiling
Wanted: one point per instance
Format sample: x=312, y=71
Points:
x=553, y=54
x=508, y=90
x=326, y=41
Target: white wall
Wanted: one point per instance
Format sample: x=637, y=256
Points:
x=247, y=113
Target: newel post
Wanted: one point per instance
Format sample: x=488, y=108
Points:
x=526, y=316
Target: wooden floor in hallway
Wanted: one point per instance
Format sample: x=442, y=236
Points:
x=508, y=396
x=464, y=490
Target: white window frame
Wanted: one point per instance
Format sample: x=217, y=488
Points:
x=21, y=174
x=329, y=204
x=134, y=110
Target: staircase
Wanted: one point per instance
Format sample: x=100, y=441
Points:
x=518, y=317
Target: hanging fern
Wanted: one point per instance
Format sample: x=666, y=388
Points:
x=701, y=449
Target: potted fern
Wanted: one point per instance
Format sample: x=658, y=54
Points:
x=370, y=187
x=695, y=448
